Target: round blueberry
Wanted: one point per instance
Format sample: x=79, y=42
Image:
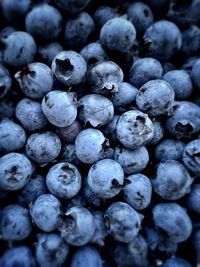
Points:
x=69, y=133
x=104, y=14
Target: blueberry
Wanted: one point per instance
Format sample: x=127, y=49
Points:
x=191, y=157
x=176, y=262
x=104, y=14
x=190, y=40
x=48, y=51
x=181, y=83
x=185, y=120
x=105, y=77
x=134, y=129
x=18, y=256
x=158, y=132
x=110, y=128
x=140, y=15
x=30, y=114
x=169, y=149
x=125, y=97
x=195, y=74
x=78, y=29
x=5, y=81
x=35, y=80
x=64, y=180
x=35, y=187
x=69, y=154
x=45, y=212
x=44, y=22
x=78, y=200
x=86, y=256
x=162, y=40
x=144, y=70
x=189, y=63
x=69, y=133
x=51, y=250
x=172, y=221
x=43, y=147
x=93, y=53
x=72, y=6
x=12, y=136
x=193, y=199
x=20, y=49
x=100, y=229
x=105, y=178
x=78, y=226
x=7, y=108
x=69, y=67
x=118, y=34
x=89, y=196
x=96, y=109
x=15, y=223
x=137, y=191
x=132, y=160
x=156, y=98
x=15, y=171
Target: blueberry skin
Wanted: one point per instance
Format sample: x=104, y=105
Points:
x=189, y=63
x=93, y=53
x=137, y=191
x=140, y=15
x=176, y=262
x=118, y=34
x=78, y=226
x=12, y=136
x=105, y=178
x=69, y=154
x=51, y=250
x=6, y=31
x=90, y=145
x=132, y=160
x=35, y=187
x=20, y=49
x=165, y=218
x=110, y=128
x=193, y=199
x=15, y=171
x=48, y=51
x=44, y=21
x=144, y=70
x=30, y=114
x=104, y=14
x=190, y=40
x=89, y=196
x=134, y=129
x=195, y=74
x=196, y=244
x=7, y=108
x=134, y=253
x=43, y=147
x=15, y=223
x=169, y=149
x=69, y=133
x=122, y=222
x=105, y=77
x=191, y=156
x=158, y=132
x=100, y=229
x=64, y=180
x=181, y=83
x=96, y=109
x=78, y=29
x=5, y=81
x=87, y=256
x=162, y=40
x=35, y=80
x=18, y=256
x=156, y=98
x=72, y=6
x=125, y=97
x=172, y=180
x=185, y=120
x=45, y=212
x=69, y=67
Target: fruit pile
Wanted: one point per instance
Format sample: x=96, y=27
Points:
x=99, y=133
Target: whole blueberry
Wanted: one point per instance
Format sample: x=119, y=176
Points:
x=144, y=70
x=35, y=80
x=69, y=67
x=48, y=51
x=45, y=212
x=72, y=6
x=137, y=191
x=134, y=129
x=193, y=199
x=15, y=223
x=118, y=34
x=44, y=21
x=105, y=178
x=96, y=109
x=100, y=229
x=69, y=133
x=15, y=171
x=51, y=250
x=64, y=180
x=43, y=147
x=20, y=49
x=60, y=108
x=78, y=226
x=103, y=14
x=12, y=136
x=122, y=222
x=176, y=262
x=5, y=81
x=158, y=132
x=195, y=74
x=156, y=98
